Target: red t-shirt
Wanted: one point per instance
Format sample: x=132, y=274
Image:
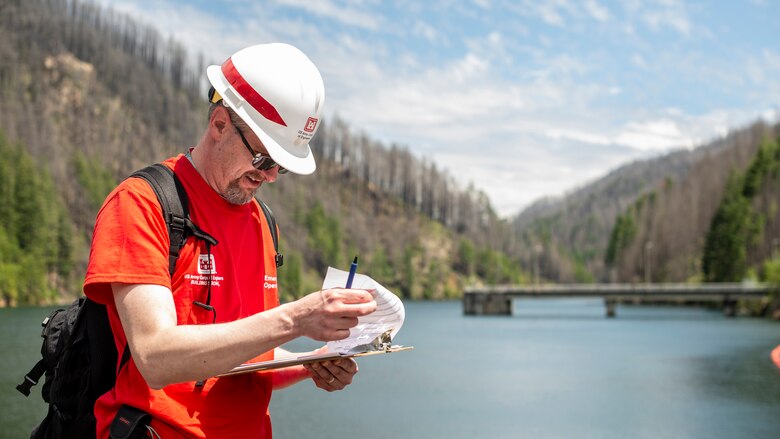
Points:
x=130, y=245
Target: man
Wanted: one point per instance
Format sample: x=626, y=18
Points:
x=220, y=307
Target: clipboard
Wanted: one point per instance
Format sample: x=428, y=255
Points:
x=380, y=345
x=306, y=359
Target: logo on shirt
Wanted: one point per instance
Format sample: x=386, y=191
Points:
x=206, y=264
x=270, y=282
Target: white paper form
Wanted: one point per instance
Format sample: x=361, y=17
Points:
x=389, y=314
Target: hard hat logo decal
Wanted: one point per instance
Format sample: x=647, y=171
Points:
x=311, y=124
x=250, y=94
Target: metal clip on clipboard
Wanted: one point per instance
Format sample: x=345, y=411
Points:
x=382, y=344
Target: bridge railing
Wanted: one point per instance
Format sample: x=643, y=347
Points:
x=498, y=299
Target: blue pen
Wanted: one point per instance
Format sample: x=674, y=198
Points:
x=352, y=270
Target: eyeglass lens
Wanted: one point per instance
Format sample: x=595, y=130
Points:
x=260, y=161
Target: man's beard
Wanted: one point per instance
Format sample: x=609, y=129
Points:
x=235, y=195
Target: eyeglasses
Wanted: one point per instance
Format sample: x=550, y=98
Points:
x=259, y=160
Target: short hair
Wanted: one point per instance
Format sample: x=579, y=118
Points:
x=234, y=118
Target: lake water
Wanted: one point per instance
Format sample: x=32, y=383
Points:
x=556, y=369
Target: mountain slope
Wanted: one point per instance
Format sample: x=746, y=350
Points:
x=91, y=95
x=675, y=196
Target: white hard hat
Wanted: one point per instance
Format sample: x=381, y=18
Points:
x=279, y=93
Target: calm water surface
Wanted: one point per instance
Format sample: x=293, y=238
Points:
x=557, y=369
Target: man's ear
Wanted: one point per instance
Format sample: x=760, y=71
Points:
x=218, y=123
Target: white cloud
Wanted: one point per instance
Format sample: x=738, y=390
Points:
x=549, y=12
x=597, y=11
x=344, y=15
x=468, y=68
x=638, y=61
x=661, y=135
x=579, y=136
x=426, y=31
x=771, y=115
x=671, y=14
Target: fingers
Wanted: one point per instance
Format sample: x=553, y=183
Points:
x=328, y=315
x=348, y=303
x=355, y=296
x=333, y=375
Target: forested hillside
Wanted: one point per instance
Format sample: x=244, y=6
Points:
x=686, y=216
x=566, y=238
x=88, y=95
x=713, y=224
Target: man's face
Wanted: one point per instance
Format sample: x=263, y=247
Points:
x=243, y=178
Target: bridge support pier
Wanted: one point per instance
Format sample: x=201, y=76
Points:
x=493, y=304
x=610, y=305
x=730, y=308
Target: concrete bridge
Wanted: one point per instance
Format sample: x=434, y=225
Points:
x=497, y=299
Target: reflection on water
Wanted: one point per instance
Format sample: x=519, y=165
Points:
x=731, y=377
x=556, y=369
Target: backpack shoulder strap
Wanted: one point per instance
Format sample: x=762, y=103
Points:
x=175, y=206
x=269, y=218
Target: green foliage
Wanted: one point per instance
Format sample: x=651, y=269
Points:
x=66, y=246
x=36, y=247
x=95, y=179
x=409, y=270
x=380, y=267
x=581, y=274
x=771, y=271
x=9, y=269
x=724, y=258
x=649, y=198
x=761, y=166
x=466, y=260
x=324, y=238
x=290, y=276
x=735, y=224
x=497, y=268
x=622, y=234
x=433, y=281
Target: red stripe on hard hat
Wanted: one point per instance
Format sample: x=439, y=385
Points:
x=250, y=94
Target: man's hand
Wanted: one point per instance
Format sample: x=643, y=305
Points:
x=328, y=315
x=333, y=375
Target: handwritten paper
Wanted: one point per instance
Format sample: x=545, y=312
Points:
x=389, y=314
x=388, y=317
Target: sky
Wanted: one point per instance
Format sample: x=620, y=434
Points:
x=525, y=99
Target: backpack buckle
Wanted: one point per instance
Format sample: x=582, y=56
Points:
x=26, y=385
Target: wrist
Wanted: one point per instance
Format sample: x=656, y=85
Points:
x=288, y=320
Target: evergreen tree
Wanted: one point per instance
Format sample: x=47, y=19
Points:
x=622, y=235
x=380, y=268
x=324, y=238
x=466, y=258
x=35, y=232
x=724, y=249
x=290, y=277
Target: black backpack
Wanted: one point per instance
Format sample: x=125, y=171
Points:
x=79, y=355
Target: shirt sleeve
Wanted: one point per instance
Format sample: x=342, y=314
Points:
x=130, y=242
